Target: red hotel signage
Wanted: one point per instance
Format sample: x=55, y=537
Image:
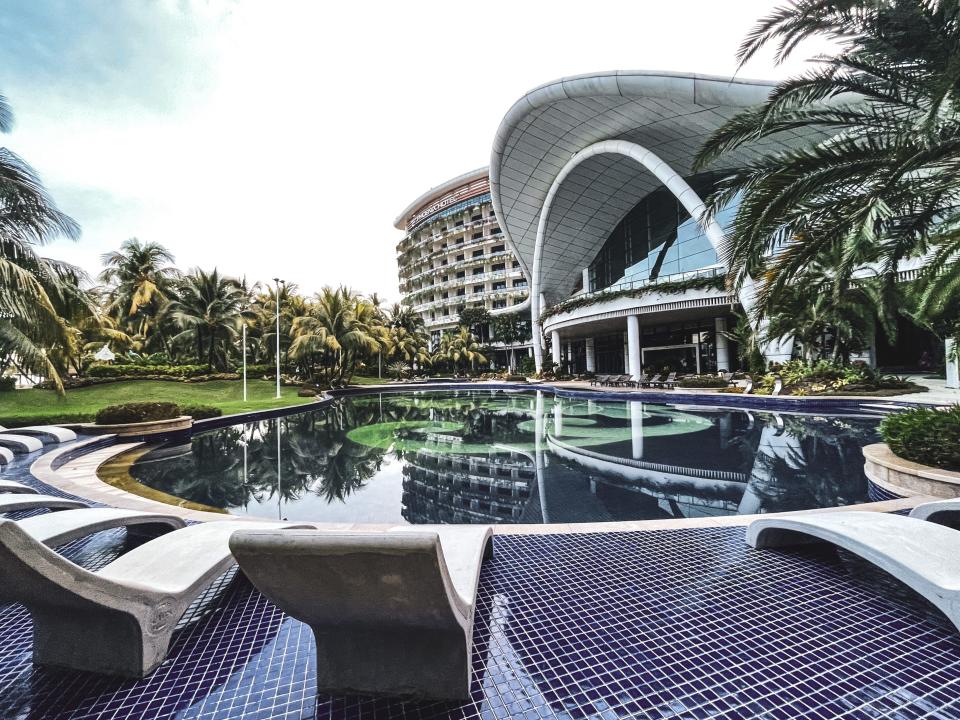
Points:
x=464, y=192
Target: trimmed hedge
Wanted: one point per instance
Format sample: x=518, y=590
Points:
x=702, y=381
x=925, y=435
x=7, y=384
x=201, y=412
x=102, y=370
x=137, y=412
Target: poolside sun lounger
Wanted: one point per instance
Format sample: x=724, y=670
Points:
x=11, y=486
x=13, y=502
x=6, y=456
x=119, y=619
x=923, y=555
x=667, y=383
x=57, y=528
x=45, y=433
x=392, y=611
x=942, y=512
x=19, y=443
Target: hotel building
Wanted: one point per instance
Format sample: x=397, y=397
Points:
x=454, y=256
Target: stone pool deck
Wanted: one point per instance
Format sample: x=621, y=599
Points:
x=627, y=620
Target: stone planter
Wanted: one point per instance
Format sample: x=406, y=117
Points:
x=906, y=478
x=142, y=429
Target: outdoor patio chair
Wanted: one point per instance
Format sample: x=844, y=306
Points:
x=47, y=434
x=11, y=486
x=668, y=382
x=644, y=380
x=19, y=443
x=392, y=611
x=942, y=512
x=597, y=379
x=16, y=501
x=57, y=528
x=923, y=555
x=119, y=619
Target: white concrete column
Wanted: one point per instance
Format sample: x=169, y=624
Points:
x=953, y=366
x=591, y=355
x=636, y=428
x=555, y=346
x=633, y=346
x=721, y=344
x=569, y=357
x=586, y=279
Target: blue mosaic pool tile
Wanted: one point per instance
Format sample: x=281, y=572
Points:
x=664, y=624
x=878, y=494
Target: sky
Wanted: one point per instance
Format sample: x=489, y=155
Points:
x=280, y=138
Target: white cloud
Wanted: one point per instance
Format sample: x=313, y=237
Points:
x=282, y=138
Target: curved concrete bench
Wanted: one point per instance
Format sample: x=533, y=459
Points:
x=57, y=528
x=392, y=611
x=6, y=456
x=119, y=619
x=20, y=443
x=942, y=512
x=13, y=502
x=11, y=486
x=922, y=555
x=47, y=434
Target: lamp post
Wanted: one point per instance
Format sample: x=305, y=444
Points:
x=244, y=341
x=278, y=282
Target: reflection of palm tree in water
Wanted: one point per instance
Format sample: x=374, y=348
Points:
x=808, y=464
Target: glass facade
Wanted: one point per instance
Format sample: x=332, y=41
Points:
x=657, y=238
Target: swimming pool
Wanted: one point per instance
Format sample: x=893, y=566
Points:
x=515, y=457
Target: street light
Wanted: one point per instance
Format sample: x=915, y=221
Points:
x=279, y=282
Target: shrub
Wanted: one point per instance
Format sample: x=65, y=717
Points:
x=925, y=435
x=307, y=392
x=137, y=412
x=702, y=381
x=526, y=366
x=103, y=370
x=7, y=384
x=732, y=389
x=398, y=370
x=201, y=412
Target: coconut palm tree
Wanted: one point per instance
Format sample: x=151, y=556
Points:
x=876, y=180
x=339, y=332
x=140, y=281
x=209, y=311
x=458, y=345
x=32, y=288
x=408, y=347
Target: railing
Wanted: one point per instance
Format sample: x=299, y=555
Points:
x=676, y=277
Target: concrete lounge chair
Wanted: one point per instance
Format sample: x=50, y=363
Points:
x=6, y=456
x=20, y=443
x=45, y=433
x=119, y=619
x=57, y=528
x=923, y=555
x=392, y=611
x=748, y=388
x=942, y=512
x=16, y=501
x=777, y=385
x=11, y=486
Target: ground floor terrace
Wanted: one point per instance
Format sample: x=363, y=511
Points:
x=648, y=619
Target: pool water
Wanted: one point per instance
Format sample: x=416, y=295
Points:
x=515, y=457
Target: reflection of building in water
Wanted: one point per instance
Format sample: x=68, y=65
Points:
x=442, y=487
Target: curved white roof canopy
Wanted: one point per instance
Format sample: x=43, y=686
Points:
x=670, y=114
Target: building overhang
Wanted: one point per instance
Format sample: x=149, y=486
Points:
x=671, y=114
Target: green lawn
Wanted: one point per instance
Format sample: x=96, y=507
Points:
x=29, y=407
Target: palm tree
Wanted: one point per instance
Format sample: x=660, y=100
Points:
x=140, y=281
x=404, y=316
x=876, y=180
x=32, y=288
x=410, y=347
x=339, y=332
x=209, y=311
x=460, y=345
